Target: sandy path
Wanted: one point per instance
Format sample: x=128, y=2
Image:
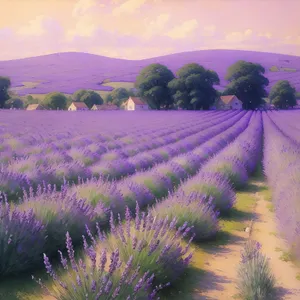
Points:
x=218, y=283
x=284, y=272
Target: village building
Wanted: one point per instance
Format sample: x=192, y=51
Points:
x=78, y=106
x=34, y=107
x=107, y=106
x=135, y=103
x=229, y=102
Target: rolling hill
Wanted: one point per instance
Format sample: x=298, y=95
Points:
x=69, y=71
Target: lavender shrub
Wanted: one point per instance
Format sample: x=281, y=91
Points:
x=255, y=279
x=22, y=239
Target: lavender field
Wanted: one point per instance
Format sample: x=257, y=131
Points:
x=122, y=205
x=68, y=72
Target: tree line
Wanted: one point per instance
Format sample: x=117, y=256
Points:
x=193, y=87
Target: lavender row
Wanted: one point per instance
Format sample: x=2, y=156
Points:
x=53, y=126
x=287, y=124
x=56, y=212
x=282, y=168
x=200, y=200
x=32, y=171
x=95, y=144
x=13, y=147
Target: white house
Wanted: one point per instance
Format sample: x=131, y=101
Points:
x=135, y=103
x=229, y=102
x=78, y=106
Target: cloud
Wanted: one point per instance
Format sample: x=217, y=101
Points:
x=35, y=27
x=266, y=34
x=183, y=30
x=128, y=7
x=84, y=6
x=156, y=26
x=85, y=26
x=239, y=36
x=208, y=30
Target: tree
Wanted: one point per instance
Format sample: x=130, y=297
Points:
x=152, y=85
x=283, y=95
x=5, y=84
x=55, y=101
x=118, y=96
x=78, y=94
x=194, y=87
x=246, y=81
x=90, y=98
x=14, y=103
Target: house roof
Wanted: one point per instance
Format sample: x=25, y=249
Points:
x=33, y=106
x=79, y=104
x=106, y=106
x=137, y=101
x=227, y=99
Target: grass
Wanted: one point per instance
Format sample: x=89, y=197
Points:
x=117, y=84
x=286, y=256
x=276, y=69
x=298, y=276
x=289, y=69
x=271, y=207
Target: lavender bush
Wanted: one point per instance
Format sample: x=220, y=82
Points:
x=153, y=243
x=22, y=239
x=213, y=187
x=94, y=278
x=192, y=208
x=58, y=212
x=255, y=279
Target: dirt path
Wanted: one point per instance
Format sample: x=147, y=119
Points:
x=284, y=272
x=218, y=282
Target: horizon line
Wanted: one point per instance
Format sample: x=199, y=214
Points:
x=152, y=57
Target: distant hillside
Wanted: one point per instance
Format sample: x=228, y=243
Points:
x=67, y=72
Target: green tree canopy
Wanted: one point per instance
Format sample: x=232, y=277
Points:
x=152, y=85
x=194, y=87
x=78, y=94
x=5, y=84
x=90, y=98
x=14, y=103
x=55, y=100
x=283, y=95
x=118, y=96
x=247, y=82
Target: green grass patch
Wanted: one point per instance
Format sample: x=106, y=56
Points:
x=273, y=233
x=274, y=69
x=286, y=256
x=288, y=69
x=271, y=207
x=116, y=84
x=298, y=276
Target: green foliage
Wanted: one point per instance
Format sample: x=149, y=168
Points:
x=118, y=96
x=78, y=94
x=255, y=279
x=152, y=85
x=88, y=97
x=5, y=84
x=283, y=95
x=193, y=87
x=55, y=101
x=246, y=81
x=14, y=103
x=274, y=69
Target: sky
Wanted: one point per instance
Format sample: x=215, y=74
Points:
x=137, y=29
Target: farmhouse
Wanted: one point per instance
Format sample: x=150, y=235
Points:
x=78, y=106
x=34, y=107
x=107, y=106
x=229, y=102
x=135, y=103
